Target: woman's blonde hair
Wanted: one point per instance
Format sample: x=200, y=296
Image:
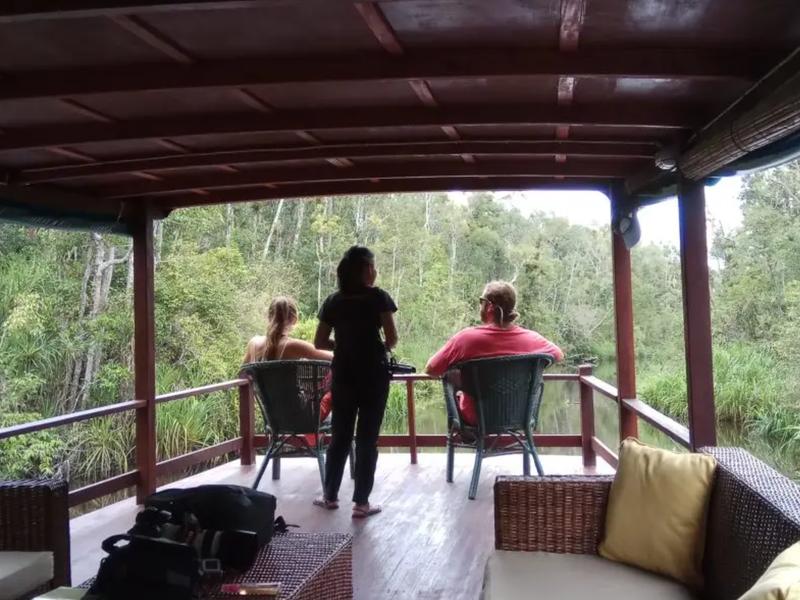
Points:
x=503, y=297
x=280, y=315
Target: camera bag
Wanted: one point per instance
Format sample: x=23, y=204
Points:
x=151, y=568
x=221, y=507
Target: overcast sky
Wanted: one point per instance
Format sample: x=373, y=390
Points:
x=659, y=222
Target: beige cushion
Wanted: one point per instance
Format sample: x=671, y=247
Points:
x=22, y=572
x=781, y=580
x=656, y=516
x=543, y=575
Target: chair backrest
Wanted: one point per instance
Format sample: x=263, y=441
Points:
x=507, y=390
x=289, y=392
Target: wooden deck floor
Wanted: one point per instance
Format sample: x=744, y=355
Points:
x=430, y=541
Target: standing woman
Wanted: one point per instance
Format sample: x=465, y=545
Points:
x=356, y=313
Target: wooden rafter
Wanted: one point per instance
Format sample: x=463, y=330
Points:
x=38, y=10
x=71, y=154
x=379, y=186
x=152, y=38
x=661, y=64
x=512, y=168
x=532, y=148
x=423, y=92
x=251, y=100
x=572, y=13
x=84, y=110
x=628, y=116
x=376, y=21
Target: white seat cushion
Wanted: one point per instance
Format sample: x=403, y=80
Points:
x=23, y=572
x=514, y=575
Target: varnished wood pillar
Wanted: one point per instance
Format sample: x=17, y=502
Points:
x=144, y=350
x=623, y=323
x=697, y=314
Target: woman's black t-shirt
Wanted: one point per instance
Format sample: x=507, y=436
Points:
x=356, y=322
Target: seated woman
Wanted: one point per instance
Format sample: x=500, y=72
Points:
x=278, y=345
x=496, y=336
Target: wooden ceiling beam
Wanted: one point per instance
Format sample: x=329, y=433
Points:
x=572, y=13
x=40, y=10
x=625, y=116
x=153, y=38
x=376, y=21
x=433, y=65
x=381, y=186
x=531, y=148
x=598, y=169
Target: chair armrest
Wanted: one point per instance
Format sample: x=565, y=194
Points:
x=550, y=514
x=34, y=516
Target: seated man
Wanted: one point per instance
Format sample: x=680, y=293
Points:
x=498, y=336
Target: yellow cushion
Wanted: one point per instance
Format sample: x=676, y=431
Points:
x=656, y=515
x=781, y=581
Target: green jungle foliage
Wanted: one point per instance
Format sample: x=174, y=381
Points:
x=66, y=315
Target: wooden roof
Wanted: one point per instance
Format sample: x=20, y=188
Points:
x=106, y=104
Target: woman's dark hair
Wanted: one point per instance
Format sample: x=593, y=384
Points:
x=350, y=272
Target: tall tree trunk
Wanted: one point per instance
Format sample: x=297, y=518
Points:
x=272, y=228
x=452, y=262
x=329, y=241
x=301, y=211
x=359, y=220
x=319, y=248
x=104, y=262
x=394, y=269
x=158, y=241
x=76, y=367
x=228, y=224
x=427, y=212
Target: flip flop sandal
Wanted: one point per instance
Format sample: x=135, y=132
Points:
x=324, y=503
x=363, y=513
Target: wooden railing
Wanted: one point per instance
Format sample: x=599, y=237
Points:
x=592, y=445
x=248, y=440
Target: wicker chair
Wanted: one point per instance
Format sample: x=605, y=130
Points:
x=289, y=394
x=507, y=392
x=754, y=514
x=34, y=517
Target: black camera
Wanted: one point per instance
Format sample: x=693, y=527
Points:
x=235, y=549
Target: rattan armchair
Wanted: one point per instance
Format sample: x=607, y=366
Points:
x=34, y=517
x=507, y=392
x=754, y=514
x=289, y=393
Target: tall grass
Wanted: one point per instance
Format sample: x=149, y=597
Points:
x=754, y=390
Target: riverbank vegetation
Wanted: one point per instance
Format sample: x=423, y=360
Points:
x=66, y=315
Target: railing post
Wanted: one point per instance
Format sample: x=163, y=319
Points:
x=247, y=452
x=697, y=314
x=623, y=321
x=144, y=356
x=587, y=417
x=412, y=424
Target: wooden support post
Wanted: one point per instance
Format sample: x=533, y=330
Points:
x=247, y=452
x=587, y=418
x=144, y=350
x=697, y=314
x=412, y=424
x=623, y=319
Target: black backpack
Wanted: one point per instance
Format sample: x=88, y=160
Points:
x=143, y=567
x=221, y=508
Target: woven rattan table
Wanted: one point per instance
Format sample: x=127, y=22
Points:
x=309, y=566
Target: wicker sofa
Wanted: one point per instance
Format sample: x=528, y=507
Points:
x=754, y=514
x=34, y=537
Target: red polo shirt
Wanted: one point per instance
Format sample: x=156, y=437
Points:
x=486, y=341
